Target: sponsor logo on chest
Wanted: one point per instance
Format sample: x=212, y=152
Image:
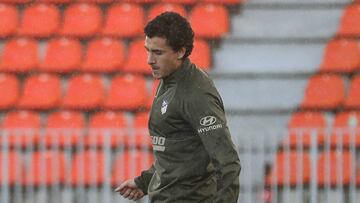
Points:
x=164, y=106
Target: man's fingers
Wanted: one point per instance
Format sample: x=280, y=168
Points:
x=127, y=192
x=121, y=186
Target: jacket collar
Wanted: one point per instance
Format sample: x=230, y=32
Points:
x=178, y=73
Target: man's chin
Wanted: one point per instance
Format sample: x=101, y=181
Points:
x=156, y=75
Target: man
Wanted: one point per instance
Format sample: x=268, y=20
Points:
x=195, y=159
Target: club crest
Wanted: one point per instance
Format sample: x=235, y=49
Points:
x=164, y=106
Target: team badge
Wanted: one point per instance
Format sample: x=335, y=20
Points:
x=164, y=106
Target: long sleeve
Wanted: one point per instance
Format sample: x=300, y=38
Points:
x=143, y=180
x=205, y=113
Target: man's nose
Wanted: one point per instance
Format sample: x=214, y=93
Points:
x=150, y=58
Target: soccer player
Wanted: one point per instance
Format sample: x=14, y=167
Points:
x=195, y=158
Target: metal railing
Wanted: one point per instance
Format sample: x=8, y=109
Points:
x=301, y=165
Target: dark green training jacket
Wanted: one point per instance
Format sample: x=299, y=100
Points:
x=195, y=159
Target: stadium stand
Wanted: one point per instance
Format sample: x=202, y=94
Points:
x=75, y=90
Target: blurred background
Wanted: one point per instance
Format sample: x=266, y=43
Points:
x=75, y=94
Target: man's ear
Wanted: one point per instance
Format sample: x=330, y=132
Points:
x=181, y=53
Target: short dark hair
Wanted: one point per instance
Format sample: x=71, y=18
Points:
x=174, y=28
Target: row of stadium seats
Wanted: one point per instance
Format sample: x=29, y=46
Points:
x=84, y=92
x=185, y=2
x=294, y=168
x=52, y=167
x=129, y=92
x=87, y=20
x=339, y=132
x=328, y=92
x=64, y=55
x=70, y=129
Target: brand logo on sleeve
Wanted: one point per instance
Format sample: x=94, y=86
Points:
x=164, y=106
x=209, y=122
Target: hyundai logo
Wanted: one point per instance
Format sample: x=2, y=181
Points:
x=208, y=120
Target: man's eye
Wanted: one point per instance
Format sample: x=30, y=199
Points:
x=158, y=52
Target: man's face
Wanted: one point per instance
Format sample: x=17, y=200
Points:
x=161, y=57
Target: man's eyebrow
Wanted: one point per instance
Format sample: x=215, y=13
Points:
x=152, y=50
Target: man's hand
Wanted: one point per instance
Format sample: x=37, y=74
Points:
x=130, y=190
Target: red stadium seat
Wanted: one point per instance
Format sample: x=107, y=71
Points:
x=97, y=1
x=301, y=126
x=201, y=54
x=14, y=165
x=19, y=55
x=84, y=92
x=184, y=2
x=64, y=128
x=324, y=92
x=88, y=168
x=290, y=168
x=342, y=55
x=55, y=1
x=40, y=20
x=344, y=128
x=46, y=168
x=136, y=61
x=141, y=138
x=140, y=1
x=107, y=128
x=22, y=127
x=209, y=20
x=104, y=55
x=9, y=20
x=62, y=55
x=162, y=7
x=16, y=1
x=226, y=2
x=332, y=165
x=353, y=98
x=350, y=21
x=35, y=89
x=152, y=93
x=127, y=92
x=9, y=88
x=82, y=20
x=130, y=164
x=120, y=16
